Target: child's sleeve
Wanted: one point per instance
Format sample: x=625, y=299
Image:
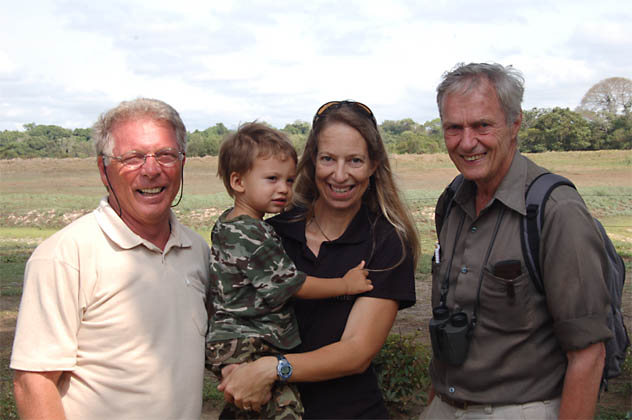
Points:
x=273, y=273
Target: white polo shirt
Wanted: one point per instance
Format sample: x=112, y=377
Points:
x=124, y=320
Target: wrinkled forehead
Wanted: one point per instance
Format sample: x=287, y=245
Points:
x=143, y=134
x=476, y=94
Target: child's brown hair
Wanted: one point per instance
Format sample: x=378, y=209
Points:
x=238, y=150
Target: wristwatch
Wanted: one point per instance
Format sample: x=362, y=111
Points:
x=284, y=368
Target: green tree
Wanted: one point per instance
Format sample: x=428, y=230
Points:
x=84, y=134
x=399, y=126
x=297, y=127
x=206, y=143
x=297, y=132
x=409, y=142
x=619, y=135
x=529, y=136
x=434, y=134
x=557, y=129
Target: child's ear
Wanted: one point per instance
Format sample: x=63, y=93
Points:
x=237, y=182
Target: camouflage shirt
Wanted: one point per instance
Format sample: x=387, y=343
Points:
x=252, y=280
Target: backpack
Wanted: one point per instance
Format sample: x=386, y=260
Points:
x=536, y=196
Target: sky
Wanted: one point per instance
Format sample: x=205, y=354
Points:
x=64, y=62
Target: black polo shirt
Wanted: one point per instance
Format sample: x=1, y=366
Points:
x=322, y=322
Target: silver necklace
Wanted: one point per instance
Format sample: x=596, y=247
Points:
x=320, y=229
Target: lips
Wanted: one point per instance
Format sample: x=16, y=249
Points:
x=473, y=158
x=341, y=190
x=151, y=191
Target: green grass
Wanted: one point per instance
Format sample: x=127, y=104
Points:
x=7, y=403
x=602, y=159
x=24, y=202
x=210, y=394
x=25, y=234
x=13, y=257
x=608, y=201
x=620, y=389
x=16, y=246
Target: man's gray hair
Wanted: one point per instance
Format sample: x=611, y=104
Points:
x=129, y=110
x=508, y=82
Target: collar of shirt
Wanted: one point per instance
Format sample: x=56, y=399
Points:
x=119, y=233
x=291, y=224
x=511, y=191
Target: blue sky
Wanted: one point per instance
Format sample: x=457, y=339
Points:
x=64, y=62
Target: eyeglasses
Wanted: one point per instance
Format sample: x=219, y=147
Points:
x=134, y=160
x=329, y=106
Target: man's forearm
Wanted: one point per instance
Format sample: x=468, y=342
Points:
x=581, y=382
x=36, y=395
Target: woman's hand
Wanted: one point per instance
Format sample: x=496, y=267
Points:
x=249, y=385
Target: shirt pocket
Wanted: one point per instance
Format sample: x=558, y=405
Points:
x=505, y=304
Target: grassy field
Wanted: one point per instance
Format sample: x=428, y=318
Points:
x=39, y=196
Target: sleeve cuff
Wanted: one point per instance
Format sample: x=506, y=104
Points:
x=577, y=334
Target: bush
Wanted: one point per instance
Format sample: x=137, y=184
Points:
x=402, y=372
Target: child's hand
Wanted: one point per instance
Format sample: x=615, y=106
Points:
x=356, y=280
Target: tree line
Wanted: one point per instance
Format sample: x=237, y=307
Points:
x=556, y=129
x=603, y=120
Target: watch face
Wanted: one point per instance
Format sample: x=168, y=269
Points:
x=284, y=369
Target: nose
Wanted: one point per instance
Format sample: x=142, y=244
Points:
x=340, y=173
x=151, y=165
x=469, y=140
x=283, y=187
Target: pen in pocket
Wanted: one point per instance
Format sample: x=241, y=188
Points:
x=508, y=270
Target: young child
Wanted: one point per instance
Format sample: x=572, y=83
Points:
x=252, y=279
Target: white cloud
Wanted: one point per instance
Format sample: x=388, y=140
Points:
x=64, y=62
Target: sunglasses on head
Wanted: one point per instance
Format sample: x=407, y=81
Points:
x=357, y=106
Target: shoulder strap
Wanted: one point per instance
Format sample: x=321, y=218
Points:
x=448, y=199
x=535, y=199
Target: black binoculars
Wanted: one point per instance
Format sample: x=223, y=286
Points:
x=449, y=334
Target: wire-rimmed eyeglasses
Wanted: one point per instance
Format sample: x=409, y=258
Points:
x=133, y=160
x=331, y=105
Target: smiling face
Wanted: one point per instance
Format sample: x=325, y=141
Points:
x=265, y=188
x=145, y=194
x=479, y=141
x=343, y=167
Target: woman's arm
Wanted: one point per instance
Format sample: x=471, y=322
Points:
x=368, y=325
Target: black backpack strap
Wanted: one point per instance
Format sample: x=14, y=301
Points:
x=448, y=198
x=535, y=199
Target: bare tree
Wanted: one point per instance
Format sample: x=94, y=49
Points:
x=612, y=95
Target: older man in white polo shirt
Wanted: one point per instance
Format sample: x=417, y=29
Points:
x=112, y=319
